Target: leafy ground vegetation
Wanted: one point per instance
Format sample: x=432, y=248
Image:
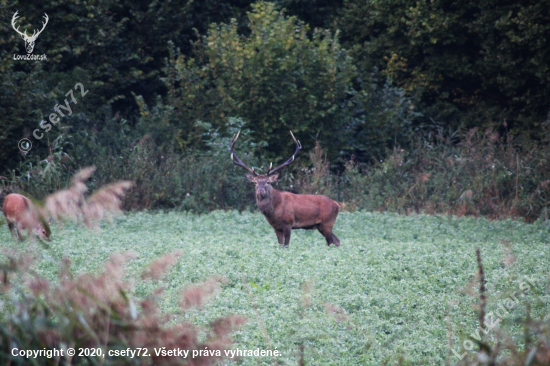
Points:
x=400, y=289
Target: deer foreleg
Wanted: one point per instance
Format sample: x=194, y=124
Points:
x=279, y=236
x=286, y=234
x=19, y=232
x=12, y=230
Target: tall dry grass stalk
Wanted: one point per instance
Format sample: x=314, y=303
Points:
x=500, y=348
x=105, y=202
x=72, y=203
x=68, y=202
x=482, y=298
x=97, y=310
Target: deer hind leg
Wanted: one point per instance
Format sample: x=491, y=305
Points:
x=286, y=234
x=335, y=240
x=326, y=230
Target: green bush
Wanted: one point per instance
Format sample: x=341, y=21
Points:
x=198, y=181
x=276, y=79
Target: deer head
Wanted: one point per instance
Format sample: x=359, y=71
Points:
x=262, y=181
x=29, y=40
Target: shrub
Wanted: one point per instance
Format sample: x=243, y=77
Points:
x=198, y=181
x=276, y=78
x=475, y=173
x=97, y=311
x=483, y=174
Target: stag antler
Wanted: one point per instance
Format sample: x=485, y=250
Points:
x=298, y=147
x=25, y=35
x=13, y=19
x=235, y=158
x=43, y=26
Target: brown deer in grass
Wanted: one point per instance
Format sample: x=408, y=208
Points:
x=286, y=211
x=22, y=214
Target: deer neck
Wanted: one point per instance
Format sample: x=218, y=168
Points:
x=267, y=204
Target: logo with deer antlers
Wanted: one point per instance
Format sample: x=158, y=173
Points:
x=29, y=40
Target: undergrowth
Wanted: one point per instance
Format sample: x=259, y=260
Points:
x=479, y=173
x=97, y=311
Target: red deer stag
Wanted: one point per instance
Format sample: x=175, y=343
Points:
x=286, y=211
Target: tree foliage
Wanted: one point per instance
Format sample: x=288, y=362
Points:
x=178, y=72
x=466, y=62
x=277, y=78
x=113, y=47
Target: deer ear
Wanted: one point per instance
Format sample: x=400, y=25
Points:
x=273, y=178
x=251, y=178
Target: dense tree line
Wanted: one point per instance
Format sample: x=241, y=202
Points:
x=357, y=76
x=466, y=62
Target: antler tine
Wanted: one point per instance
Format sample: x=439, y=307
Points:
x=13, y=19
x=234, y=156
x=44, y=24
x=297, y=142
x=35, y=33
x=298, y=148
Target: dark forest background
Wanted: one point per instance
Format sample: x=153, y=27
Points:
x=434, y=106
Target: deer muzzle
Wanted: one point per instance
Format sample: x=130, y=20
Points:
x=29, y=46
